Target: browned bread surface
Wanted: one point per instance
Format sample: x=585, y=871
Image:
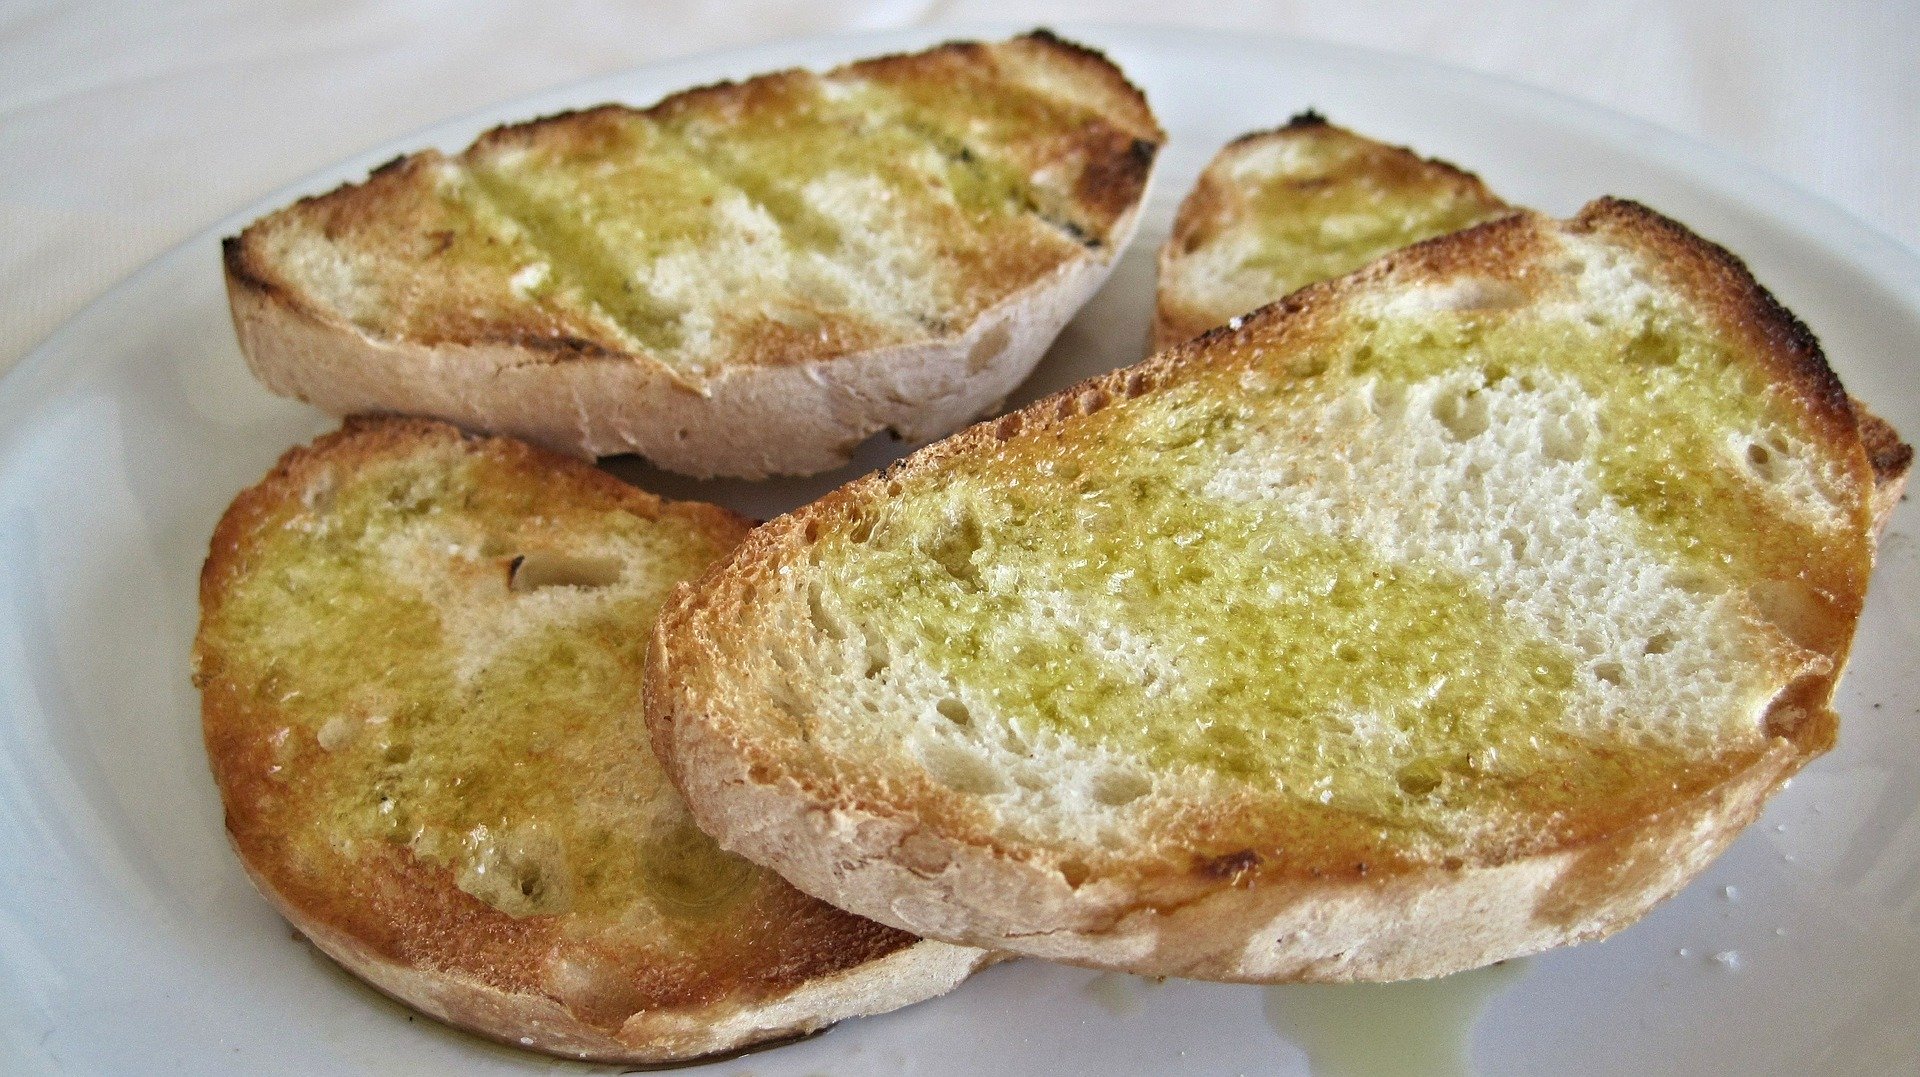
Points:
x=420, y=659
x=1457, y=609
x=740, y=279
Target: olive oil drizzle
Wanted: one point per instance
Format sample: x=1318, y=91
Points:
x=1296, y=663
x=493, y=774
x=576, y=255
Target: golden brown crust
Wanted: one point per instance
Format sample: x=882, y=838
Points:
x=1096, y=82
x=896, y=848
x=786, y=965
x=1118, y=163
x=812, y=389
x=1718, y=277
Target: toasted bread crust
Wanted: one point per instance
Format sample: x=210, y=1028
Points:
x=403, y=924
x=1096, y=78
x=789, y=400
x=907, y=858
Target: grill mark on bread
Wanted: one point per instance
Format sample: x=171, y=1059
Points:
x=587, y=263
x=1113, y=186
x=1115, y=181
x=1118, y=141
x=970, y=244
x=1021, y=194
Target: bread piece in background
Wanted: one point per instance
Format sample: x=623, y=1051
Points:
x=420, y=664
x=1460, y=608
x=743, y=279
x=1275, y=211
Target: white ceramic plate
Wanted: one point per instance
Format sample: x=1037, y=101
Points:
x=130, y=941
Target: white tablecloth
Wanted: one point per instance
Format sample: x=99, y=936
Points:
x=128, y=125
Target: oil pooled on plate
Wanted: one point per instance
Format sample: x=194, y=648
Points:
x=1120, y=994
x=1383, y=1030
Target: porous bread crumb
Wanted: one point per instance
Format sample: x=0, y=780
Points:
x=1515, y=505
x=1495, y=482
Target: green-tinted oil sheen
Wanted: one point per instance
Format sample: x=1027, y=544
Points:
x=992, y=130
x=774, y=155
x=1318, y=227
x=602, y=208
x=1088, y=587
x=1250, y=648
x=524, y=780
x=1413, y=1028
x=551, y=217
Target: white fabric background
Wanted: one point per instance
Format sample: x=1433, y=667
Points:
x=128, y=125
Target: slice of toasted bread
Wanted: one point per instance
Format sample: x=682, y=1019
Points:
x=743, y=279
x=1457, y=609
x=1275, y=211
x=420, y=659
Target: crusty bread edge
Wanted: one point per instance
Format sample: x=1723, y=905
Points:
x=1406, y=924
x=745, y=421
x=924, y=970
x=1409, y=925
x=917, y=971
